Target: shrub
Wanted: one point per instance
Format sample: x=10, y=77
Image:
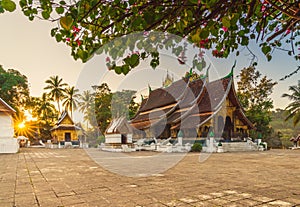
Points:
x=197, y=147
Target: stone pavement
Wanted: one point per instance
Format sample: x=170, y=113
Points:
x=69, y=177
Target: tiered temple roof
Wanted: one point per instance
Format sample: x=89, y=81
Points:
x=188, y=104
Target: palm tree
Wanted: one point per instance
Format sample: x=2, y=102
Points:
x=45, y=109
x=86, y=105
x=294, y=107
x=55, y=85
x=70, y=99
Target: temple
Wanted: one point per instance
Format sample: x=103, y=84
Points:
x=192, y=108
x=65, y=132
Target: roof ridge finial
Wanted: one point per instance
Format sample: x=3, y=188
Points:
x=233, y=67
x=191, y=72
x=149, y=88
x=231, y=72
x=207, y=71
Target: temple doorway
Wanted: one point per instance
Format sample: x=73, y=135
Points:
x=228, y=128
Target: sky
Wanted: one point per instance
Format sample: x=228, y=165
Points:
x=29, y=48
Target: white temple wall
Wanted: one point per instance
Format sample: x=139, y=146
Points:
x=6, y=126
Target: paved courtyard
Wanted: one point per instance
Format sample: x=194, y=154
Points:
x=75, y=177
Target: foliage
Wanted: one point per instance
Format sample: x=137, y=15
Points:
x=86, y=105
x=56, y=89
x=282, y=129
x=123, y=104
x=254, y=94
x=14, y=88
x=197, y=147
x=193, y=75
x=7, y=5
x=94, y=137
x=45, y=113
x=70, y=99
x=133, y=108
x=293, y=109
x=222, y=26
x=105, y=105
x=103, y=98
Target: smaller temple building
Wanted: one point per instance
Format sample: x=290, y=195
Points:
x=8, y=144
x=118, y=133
x=65, y=131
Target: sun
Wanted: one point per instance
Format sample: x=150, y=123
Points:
x=21, y=125
x=24, y=127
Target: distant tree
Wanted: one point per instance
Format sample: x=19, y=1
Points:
x=193, y=75
x=284, y=129
x=254, y=94
x=86, y=105
x=122, y=103
x=133, y=108
x=70, y=99
x=44, y=111
x=14, y=88
x=55, y=86
x=103, y=97
x=293, y=108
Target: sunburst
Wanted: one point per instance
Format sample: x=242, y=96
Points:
x=23, y=127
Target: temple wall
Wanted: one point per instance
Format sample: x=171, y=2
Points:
x=6, y=126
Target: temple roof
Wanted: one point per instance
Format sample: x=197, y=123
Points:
x=165, y=96
x=64, y=115
x=66, y=127
x=188, y=103
x=65, y=122
x=4, y=107
x=119, y=126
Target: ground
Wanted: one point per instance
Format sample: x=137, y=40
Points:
x=73, y=177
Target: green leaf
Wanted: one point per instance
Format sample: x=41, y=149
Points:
x=194, y=1
x=125, y=69
x=196, y=37
x=204, y=34
x=226, y=22
x=66, y=22
x=53, y=31
x=45, y=14
x=235, y=18
x=252, y=36
x=135, y=60
x=60, y=10
x=58, y=37
x=118, y=69
x=8, y=5
x=83, y=55
x=1, y=9
x=266, y=49
x=245, y=41
x=118, y=42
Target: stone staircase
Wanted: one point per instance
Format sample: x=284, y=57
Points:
x=239, y=146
